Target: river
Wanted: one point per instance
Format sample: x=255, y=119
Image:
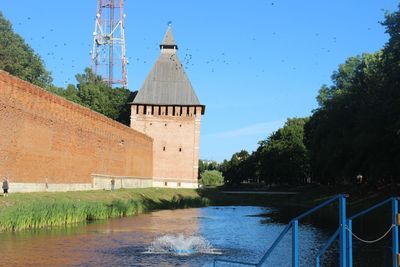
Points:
x=233, y=232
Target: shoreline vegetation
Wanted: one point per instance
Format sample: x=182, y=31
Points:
x=24, y=211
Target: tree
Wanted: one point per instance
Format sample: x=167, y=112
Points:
x=343, y=130
x=356, y=128
x=283, y=157
x=213, y=178
x=95, y=94
x=240, y=168
x=18, y=58
x=205, y=165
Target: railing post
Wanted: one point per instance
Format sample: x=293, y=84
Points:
x=395, y=232
x=350, y=243
x=295, y=243
x=342, y=232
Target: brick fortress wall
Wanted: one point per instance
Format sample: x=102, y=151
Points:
x=176, y=134
x=48, y=141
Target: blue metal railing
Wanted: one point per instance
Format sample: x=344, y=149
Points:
x=294, y=222
x=349, y=234
x=344, y=232
x=294, y=225
x=325, y=247
x=394, y=229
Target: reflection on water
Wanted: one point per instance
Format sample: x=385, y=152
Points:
x=233, y=231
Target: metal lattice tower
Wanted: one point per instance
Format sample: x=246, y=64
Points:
x=108, y=54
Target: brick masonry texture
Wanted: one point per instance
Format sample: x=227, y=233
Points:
x=47, y=139
x=176, y=142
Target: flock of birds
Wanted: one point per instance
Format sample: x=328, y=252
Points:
x=217, y=60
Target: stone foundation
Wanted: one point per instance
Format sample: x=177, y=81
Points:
x=104, y=182
x=175, y=183
x=99, y=182
x=43, y=187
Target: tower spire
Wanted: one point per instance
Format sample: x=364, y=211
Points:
x=168, y=42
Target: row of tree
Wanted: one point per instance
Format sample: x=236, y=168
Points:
x=280, y=159
x=355, y=129
x=19, y=59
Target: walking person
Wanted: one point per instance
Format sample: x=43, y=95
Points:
x=5, y=186
x=112, y=184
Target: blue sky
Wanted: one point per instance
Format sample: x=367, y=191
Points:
x=253, y=63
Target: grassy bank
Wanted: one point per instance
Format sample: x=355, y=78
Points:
x=36, y=210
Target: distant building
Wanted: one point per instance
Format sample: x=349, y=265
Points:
x=167, y=109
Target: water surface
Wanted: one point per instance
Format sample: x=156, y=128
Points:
x=237, y=233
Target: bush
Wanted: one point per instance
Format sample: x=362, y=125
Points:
x=212, y=178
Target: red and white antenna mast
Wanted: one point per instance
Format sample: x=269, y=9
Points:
x=108, y=54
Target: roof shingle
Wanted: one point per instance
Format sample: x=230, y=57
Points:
x=167, y=82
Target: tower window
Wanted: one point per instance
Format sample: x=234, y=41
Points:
x=180, y=149
x=165, y=125
x=165, y=183
x=163, y=148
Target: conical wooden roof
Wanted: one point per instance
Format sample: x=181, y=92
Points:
x=167, y=83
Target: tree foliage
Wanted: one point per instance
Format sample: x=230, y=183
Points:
x=207, y=165
x=213, y=178
x=280, y=159
x=239, y=168
x=356, y=128
x=18, y=58
x=283, y=157
x=95, y=94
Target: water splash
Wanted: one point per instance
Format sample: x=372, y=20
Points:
x=181, y=245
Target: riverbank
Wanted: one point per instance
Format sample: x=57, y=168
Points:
x=21, y=211
x=299, y=199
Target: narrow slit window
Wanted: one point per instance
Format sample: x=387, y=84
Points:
x=163, y=148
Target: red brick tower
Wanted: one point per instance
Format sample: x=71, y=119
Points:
x=167, y=109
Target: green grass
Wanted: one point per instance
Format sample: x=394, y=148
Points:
x=37, y=210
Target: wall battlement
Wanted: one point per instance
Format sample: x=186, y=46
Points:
x=167, y=110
